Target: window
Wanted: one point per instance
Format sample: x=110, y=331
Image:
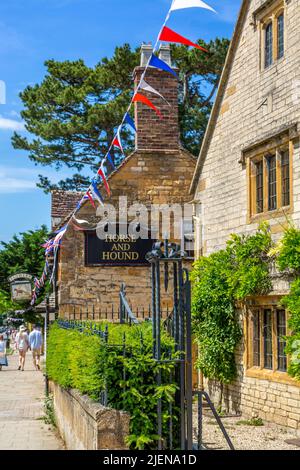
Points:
x=270, y=182
x=269, y=45
x=259, y=187
x=256, y=339
x=266, y=347
x=272, y=26
x=267, y=339
x=272, y=194
x=285, y=178
x=280, y=36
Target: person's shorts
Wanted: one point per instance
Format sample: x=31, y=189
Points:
x=36, y=352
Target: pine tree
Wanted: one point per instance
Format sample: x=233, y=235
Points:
x=74, y=112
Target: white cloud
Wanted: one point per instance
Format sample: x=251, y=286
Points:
x=14, y=180
x=15, y=185
x=11, y=124
x=21, y=180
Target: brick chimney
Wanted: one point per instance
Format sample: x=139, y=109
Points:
x=154, y=133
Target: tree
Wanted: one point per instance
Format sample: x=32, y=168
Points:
x=74, y=112
x=6, y=304
x=23, y=253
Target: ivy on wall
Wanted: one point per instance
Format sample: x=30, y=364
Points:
x=219, y=281
x=288, y=259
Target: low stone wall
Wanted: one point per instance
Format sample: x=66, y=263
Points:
x=86, y=425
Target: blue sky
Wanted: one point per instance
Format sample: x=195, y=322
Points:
x=32, y=31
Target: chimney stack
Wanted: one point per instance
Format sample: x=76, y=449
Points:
x=154, y=133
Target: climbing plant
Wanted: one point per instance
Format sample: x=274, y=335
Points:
x=288, y=259
x=219, y=281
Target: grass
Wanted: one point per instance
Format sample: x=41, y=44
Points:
x=250, y=422
x=49, y=416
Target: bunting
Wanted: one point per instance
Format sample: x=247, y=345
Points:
x=128, y=119
x=117, y=140
x=181, y=4
x=102, y=175
x=89, y=196
x=109, y=158
x=96, y=193
x=168, y=35
x=147, y=87
x=138, y=97
x=160, y=64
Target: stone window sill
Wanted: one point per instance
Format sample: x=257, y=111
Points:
x=281, y=212
x=272, y=376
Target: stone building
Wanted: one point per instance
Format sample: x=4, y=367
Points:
x=159, y=171
x=249, y=171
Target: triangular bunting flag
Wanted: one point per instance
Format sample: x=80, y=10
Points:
x=145, y=86
x=117, y=140
x=143, y=99
x=128, y=119
x=160, y=64
x=169, y=35
x=89, y=196
x=181, y=4
x=96, y=193
x=102, y=175
x=109, y=158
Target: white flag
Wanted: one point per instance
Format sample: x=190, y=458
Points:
x=180, y=4
x=145, y=86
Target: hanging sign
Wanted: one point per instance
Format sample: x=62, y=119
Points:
x=21, y=287
x=116, y=250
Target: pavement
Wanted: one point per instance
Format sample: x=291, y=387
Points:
x=22, y=396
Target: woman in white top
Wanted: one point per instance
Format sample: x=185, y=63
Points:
x=22, y=345
x=3, y=358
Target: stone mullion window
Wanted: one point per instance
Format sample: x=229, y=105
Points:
x=272, y=33
x=280, y=36
x=285, y=178
x=281, y=343
x=267, y=327
x=270, y=182
x=269, y=44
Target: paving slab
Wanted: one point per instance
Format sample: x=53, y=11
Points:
x=22, y=396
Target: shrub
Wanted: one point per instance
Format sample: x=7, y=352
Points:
x=84, y=361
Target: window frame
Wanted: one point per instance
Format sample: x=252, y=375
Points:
x=260, y=372
x=272, y=17
x=252, y=165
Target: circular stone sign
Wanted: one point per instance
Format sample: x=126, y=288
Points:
x=21, y=287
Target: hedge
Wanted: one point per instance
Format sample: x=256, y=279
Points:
x=83, y=361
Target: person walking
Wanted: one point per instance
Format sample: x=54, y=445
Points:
x=3, y=357
x=35, y=342
x=22, y=344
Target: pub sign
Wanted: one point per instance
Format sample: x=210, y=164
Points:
x=116, y=250
x=21, y=287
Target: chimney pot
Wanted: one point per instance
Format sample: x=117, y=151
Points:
x=146, y=51
x=165, y=54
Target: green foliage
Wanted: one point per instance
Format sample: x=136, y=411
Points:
x=83, y=361
x=289, y=259
x=23, y=253
x=49, y=417
x=74, y=111
x=6, y=305
x=220, y=280
x=289, y=250
x=251, y=422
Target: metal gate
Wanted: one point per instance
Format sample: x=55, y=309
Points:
x=168, y=274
